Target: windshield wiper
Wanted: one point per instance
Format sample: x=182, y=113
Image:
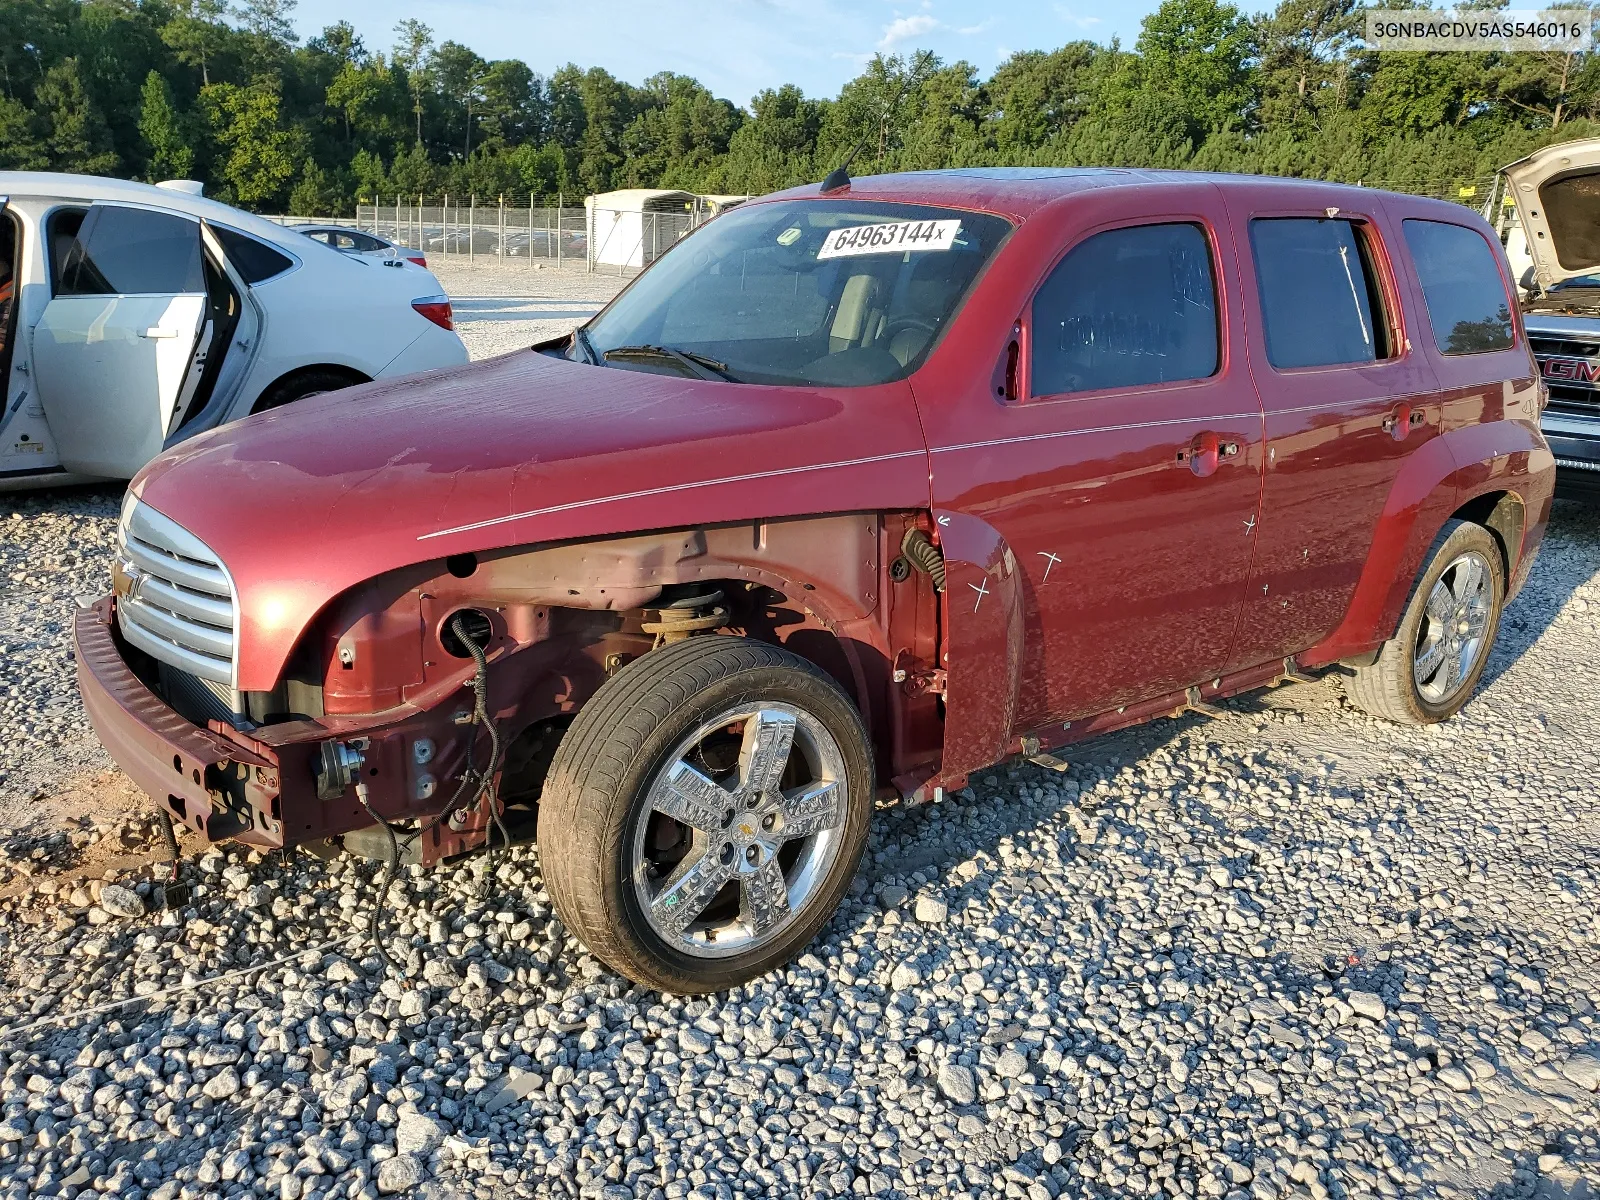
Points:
x=698, y=365
x=586, y=346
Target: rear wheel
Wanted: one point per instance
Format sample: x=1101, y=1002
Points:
x=705, y=813
x=1429, y=669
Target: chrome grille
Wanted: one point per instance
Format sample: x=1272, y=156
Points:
x=177, y=602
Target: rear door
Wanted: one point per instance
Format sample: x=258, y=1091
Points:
x=116, y=346
x=1347, y=398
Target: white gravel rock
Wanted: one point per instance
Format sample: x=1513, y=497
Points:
x=399, y=1174
x=419, y=1134
x=1583, y=1070
x=930, y=910
x=1367, y=1004
x=957, y=1082
x=1158, y=934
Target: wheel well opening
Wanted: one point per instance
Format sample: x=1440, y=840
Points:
x=282, y=389
x=1501, y=513
x=761, y=613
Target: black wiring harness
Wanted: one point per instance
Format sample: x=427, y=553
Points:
x=475, y=784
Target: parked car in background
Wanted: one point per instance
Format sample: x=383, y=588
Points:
x=857, y=489
x=1557, y=198
x=359, y=241
x=144, y=315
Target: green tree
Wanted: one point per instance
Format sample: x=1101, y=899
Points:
x=318, y=193
x=197, y=35
x=1037, y=95
x=412, y=53
x=73, y=131
x=458, y=72
x=1198, y=54
x=1304, y=68
x=877, y=106
x=684, y=129
x=514, y=106
x=341, y=42
x=163, y=131
x=21, y=147
x=371, y=180
x=263, y=157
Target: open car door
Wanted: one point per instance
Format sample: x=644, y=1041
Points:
x=117, y=346
x=1557, y=196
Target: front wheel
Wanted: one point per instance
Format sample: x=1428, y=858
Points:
x=1429, y=669
x=705, y=813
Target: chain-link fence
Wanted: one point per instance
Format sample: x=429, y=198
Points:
x=593, y=239
x=533, y=234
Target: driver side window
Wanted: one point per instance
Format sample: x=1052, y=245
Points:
x=1125, y=308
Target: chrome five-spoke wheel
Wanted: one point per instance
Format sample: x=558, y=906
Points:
x=739, y=828
x=705, y=812
x=1431, y=665
x=1451, y=634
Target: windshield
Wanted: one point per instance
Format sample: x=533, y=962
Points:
x=839, y=293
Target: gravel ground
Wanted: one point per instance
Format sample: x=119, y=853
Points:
x=501, y=307
x=1287, y=952
x=1290, y=952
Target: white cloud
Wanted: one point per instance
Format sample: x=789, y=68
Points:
x=973, y=30
x=1073, y=19
x=903, y=29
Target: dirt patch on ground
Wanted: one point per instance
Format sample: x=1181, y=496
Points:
x=96, y=827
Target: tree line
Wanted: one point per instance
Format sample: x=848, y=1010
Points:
x=203, y=89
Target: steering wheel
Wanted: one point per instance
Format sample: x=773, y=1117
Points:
x=890, y=328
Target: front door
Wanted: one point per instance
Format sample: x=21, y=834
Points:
x=1117, y=487
x=1347, y=398
x=116, y=346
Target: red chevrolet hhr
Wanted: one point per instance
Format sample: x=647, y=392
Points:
x=859, y=488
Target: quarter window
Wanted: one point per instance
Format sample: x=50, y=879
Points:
x=1127, y=308
x=255, y=261
x=1320, y=301
x=1462, y=287
x=132, y=251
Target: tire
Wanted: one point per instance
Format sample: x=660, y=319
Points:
x=302, y=387
x=629, y=827
x=1452, y=609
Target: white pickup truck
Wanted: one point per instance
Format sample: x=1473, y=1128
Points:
x=1553, y=244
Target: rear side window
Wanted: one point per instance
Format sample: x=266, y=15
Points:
x=1462, y=287
x=255, y=261
x=1125, y=308
x=1320, y=301
x=132, y=251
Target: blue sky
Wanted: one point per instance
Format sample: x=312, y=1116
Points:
x=738, y=47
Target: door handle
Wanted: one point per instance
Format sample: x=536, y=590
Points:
x=1403, y=420
x=1204, y=453
x=157, y=331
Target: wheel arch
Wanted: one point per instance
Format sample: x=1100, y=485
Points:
x=575, y=612
x=1503, y=514
x=262, y=400
x=1483, y=473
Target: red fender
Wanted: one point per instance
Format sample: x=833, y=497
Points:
x=982, y=654
x=1445, y=473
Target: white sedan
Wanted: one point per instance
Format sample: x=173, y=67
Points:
x=133, y=316
x=357, y=241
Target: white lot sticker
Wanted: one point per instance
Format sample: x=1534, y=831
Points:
x=890, y=238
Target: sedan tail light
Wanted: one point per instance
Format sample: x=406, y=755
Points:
x=436, y=309
x=418, y=259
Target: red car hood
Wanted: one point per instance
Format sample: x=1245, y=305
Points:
x=307, y=501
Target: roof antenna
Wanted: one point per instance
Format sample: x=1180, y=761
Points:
x=839, y=177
